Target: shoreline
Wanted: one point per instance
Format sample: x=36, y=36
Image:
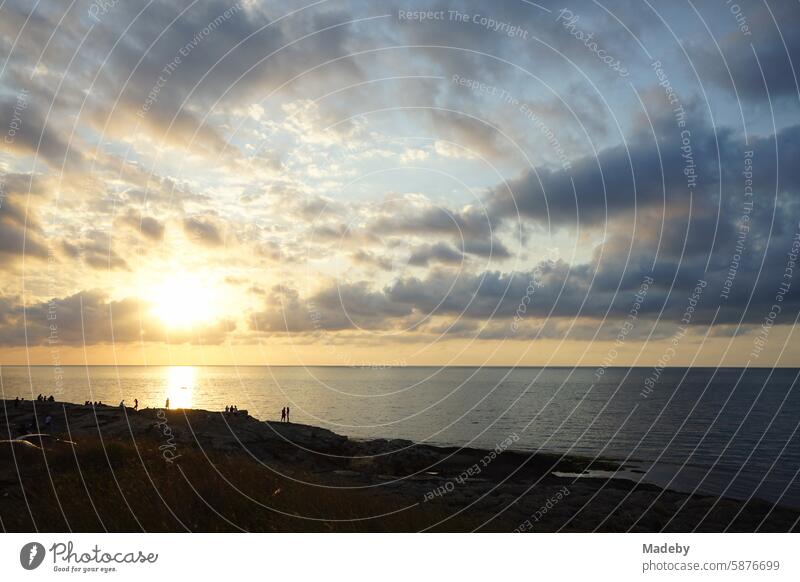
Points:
x=459, y=489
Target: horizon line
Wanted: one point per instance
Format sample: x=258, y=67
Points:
x=381, y=367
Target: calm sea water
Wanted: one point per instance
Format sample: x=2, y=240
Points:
x=727, y=431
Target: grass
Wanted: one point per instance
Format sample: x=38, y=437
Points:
x=121, y=487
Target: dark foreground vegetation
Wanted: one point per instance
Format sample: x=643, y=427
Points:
x=113, y=469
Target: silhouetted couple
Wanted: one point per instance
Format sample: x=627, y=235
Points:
x=285, y=414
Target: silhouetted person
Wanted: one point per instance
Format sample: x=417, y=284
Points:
x=122, y=403
x=136, y=404
x=227, y=409
x=287, y=414
x=51, y=399
x=283, y=414
x=167, y=405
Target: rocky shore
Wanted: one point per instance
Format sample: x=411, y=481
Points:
x=306, y=478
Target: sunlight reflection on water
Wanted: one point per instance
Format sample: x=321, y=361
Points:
x=180, y=386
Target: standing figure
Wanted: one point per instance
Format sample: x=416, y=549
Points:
x=287, y=414
x=283, y=414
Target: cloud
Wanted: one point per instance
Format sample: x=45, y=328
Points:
x=147, y=226
x=768, y=67
x=620, y=178
x=437, y=253
x=89, y=318
x=29, y=132
x=20, y=234
x=203, y=230
x=94, y=248
x=335, y=308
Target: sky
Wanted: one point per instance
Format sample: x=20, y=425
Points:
x=400, y=183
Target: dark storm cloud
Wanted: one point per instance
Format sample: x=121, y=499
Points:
x=552, y=290
x=335, y=308
x=618, y=179
x=400, y=217
x=768, y=67
x=481, y=247
x=364, y=257
x=436, y=253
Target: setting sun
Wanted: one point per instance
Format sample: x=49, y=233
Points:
x=184, y=300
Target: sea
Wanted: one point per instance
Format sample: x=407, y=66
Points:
x=729, y=431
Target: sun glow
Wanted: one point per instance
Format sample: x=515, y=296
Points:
x=184, y=300
x=180, y=386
